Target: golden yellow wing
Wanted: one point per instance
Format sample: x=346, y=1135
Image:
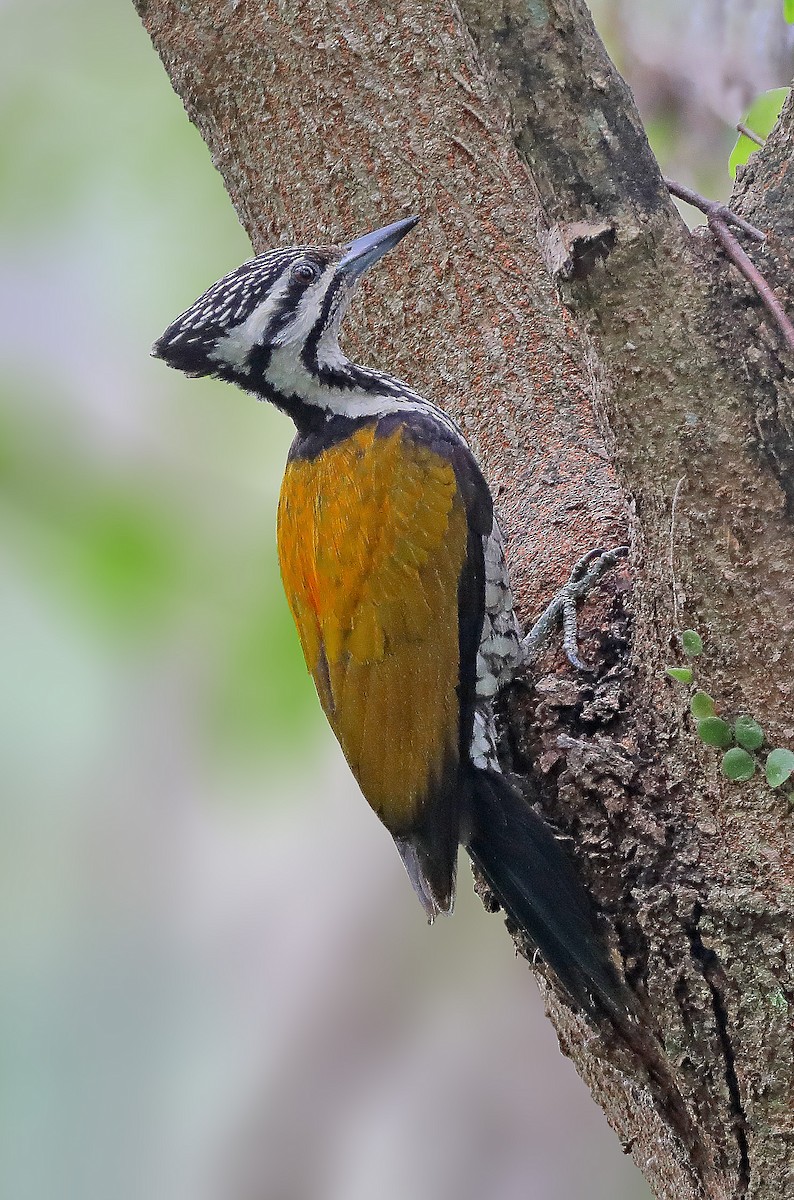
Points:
x=372, y=537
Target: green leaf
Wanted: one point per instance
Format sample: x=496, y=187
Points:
x=748, y=733
x=692, y=643
x=701, y=705
x=763, y=113
x=788, y=11
x=680, y=674
x=738, y=765
x=779, y=767
x=713, y=731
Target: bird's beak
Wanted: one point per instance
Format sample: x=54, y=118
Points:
x=359, y=255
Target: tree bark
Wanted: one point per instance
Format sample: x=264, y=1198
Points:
x=595, y=355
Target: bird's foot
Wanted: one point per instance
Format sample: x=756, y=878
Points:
x=562, y=608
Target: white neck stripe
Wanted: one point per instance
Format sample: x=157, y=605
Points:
x=287, y=375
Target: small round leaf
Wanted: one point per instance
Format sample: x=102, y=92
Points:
x=779, y=767
x=701, y=705
x=748, y=733
x=692, y=643
x=738, y=765
x=713, y=731
x=680, y=674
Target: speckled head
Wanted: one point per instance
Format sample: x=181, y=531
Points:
x=286, y=304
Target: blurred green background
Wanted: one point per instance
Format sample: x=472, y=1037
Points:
x=214, y=980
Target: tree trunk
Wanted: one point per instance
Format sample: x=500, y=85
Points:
x=595, y=354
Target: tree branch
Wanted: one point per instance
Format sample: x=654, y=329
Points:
x=719, y=218
x=714, y=210
x=749, y=133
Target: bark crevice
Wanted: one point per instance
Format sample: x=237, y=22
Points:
x=713, y=974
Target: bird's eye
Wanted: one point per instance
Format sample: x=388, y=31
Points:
x=305, y=272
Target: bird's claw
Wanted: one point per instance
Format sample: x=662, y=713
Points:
x=584, y=575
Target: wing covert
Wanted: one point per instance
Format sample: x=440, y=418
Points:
x=373, y=540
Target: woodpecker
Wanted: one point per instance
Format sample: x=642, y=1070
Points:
x=394, y=570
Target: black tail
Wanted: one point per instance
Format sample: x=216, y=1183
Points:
x=535, y=883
